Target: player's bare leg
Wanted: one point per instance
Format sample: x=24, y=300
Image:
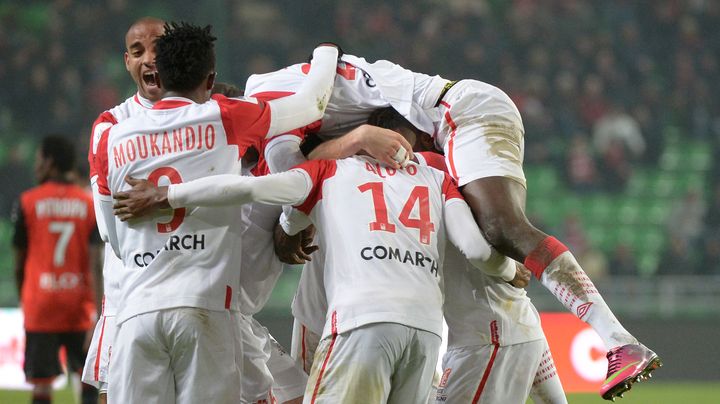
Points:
x=42, y=393
x=498, y=205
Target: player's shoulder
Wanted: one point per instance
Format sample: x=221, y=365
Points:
x=128, y=108
x=432, y=159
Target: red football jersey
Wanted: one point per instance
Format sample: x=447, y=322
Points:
x=57, y=292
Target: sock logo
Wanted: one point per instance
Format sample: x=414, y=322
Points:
x=583, y=309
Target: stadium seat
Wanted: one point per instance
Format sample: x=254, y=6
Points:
x=541, y=180
x=599, y=209
x=629, y=210
x=655, y=211
x=639, y=183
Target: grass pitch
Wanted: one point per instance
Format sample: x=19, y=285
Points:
x=654, y=392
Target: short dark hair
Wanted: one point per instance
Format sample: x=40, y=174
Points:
x=389, y=118
x=185, y=55
x=60, y=150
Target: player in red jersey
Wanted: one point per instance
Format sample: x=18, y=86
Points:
x=54, y=232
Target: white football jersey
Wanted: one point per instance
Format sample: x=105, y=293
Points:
x=309, y=305
x=260, y=268
x=360, y=88
x=132, y=106
x=185, y=257
x=481, y=309
x=383, y=236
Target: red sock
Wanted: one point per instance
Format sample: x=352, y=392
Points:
x=543, y=254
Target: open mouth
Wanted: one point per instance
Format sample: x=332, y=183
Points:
x=149, y=79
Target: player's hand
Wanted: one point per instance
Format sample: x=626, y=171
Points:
x=522, y=276
x=384, y=145
x=142, y=199
x=295, y=249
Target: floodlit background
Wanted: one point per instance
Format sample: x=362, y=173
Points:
x=619, y=100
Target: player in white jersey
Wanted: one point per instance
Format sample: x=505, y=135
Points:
x=178, y=273
x=478, y=317
x=140, y=63
x=481, y=133
x=382, y=277
x=269, y=373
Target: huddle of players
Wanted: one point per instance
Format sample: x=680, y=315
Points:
x=364, y=304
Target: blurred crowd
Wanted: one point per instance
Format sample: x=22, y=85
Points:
x=601, y=85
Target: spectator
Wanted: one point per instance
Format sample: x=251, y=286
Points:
x=580, y=169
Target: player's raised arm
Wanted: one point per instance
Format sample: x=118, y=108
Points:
x=309, y=103
x=466, y=236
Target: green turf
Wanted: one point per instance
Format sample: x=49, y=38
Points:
x=645, y=393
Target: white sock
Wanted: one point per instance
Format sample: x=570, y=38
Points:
x=567, y=281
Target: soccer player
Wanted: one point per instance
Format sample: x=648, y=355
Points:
x=54, y=233
x=179, y=267
x=486, y=317
x=481, y=133
x=382, y=278
x=140, y=63
x=269, y=373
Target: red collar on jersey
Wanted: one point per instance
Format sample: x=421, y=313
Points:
x=171, y=102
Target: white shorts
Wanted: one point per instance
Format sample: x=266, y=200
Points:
x=289, y=380
x=375, y=363
x=256, y=378
x=181, y=355
x=481, y=133
x=268, y=372
x=304, y=343
x=487, y=372
x=95, y=372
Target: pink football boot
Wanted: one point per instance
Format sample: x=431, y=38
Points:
x=627, y=364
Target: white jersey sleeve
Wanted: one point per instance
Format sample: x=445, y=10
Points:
x=288, y=188
x=464, y=233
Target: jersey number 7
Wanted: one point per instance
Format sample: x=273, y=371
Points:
x=419, y=195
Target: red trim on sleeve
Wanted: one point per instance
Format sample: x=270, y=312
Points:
x=301, y=132
x=105, y=117
x=272, y=95
x=319, y=171
x=434, y=160
x=543, y=254
x=101, y=163
x=450, y=189
x=451, y=143
x=246, y=122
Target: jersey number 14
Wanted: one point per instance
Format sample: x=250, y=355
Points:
x=418, y=196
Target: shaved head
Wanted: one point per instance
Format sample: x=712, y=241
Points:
x=140, y=55
x=142, y=24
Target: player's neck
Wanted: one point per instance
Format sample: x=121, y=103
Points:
x=198, y=95
x=57, y=177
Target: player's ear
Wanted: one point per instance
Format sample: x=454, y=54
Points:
x=424, y=142
x=211, y=81
x=158, y=82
